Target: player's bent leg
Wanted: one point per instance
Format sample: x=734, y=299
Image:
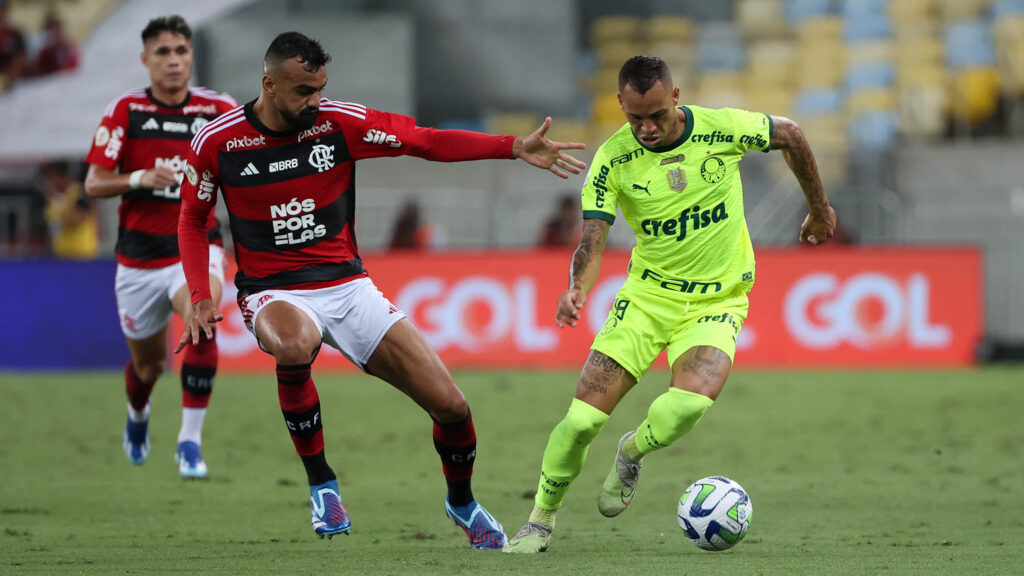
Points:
x=290, y=335
x=198, y=372
x=697, y=377
x=602, y=384
x=564, y=456
x=140, y=374
x=404, y=359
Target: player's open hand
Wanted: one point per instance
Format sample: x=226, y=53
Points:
x=158, y=178
x=543, y=153
x=569, y=305
x=204, y=315
x=818, y=226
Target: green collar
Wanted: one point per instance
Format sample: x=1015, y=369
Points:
x=686, y=134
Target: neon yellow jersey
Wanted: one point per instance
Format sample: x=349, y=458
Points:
x=684, y=201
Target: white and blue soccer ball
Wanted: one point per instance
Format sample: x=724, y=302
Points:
x=715, y=513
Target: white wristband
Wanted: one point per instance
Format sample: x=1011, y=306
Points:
x=135, y=179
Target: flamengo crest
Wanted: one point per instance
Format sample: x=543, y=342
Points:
x=322, y=157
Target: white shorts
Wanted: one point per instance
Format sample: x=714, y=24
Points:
x=144, y=294
x=352, y=317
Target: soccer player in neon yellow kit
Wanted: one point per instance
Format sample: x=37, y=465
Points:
x=674, y=171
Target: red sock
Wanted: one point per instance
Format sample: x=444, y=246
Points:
x=198, y=369
x=300, y=405
x=456, y=444
x=138, y=391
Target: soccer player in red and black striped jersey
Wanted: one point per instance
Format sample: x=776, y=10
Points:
x=138, y=153
x=286, y=166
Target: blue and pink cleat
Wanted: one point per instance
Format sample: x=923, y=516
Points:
x=329, y=515
x=484, y=532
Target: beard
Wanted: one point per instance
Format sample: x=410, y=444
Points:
x=304, y=120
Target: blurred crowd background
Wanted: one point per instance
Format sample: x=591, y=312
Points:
x=914, y=108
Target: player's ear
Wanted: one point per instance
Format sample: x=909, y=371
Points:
x=675, y=95
x=269, y=86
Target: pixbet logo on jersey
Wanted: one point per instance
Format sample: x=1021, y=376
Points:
x=294, y=222
x=866, y=310
x=316, y=131
x=245, y=142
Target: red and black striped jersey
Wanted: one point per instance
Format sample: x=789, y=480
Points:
x=138, y=132
x=290, y=196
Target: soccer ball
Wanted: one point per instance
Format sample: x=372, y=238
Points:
x=715, y=513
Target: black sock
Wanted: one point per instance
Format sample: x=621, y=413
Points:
x=317, y=469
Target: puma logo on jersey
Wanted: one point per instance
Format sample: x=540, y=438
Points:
x=644, y=188
x=381, y=137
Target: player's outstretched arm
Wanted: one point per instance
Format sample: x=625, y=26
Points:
x=549, y=155
x=820, y=223
x=586, y=266
x=102, y=183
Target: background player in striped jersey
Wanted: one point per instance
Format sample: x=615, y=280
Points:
x=138, y=153
x=285, y=164
x=674, y=171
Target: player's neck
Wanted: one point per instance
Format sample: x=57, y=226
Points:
x=269, y=115
x=169, y=97
x=680, y=126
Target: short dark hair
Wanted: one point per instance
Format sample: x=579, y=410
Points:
x=641, y=72
x=173, y=23
x=295, y=44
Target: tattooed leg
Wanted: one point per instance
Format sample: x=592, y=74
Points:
x=603, y=382
x=702, y=370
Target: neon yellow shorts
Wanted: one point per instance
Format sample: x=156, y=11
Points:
x=641, y=324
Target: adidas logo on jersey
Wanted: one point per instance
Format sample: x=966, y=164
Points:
x=151, y=124
x=250, y=170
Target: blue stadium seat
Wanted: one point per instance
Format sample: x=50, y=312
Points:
x=817, y=103
x=799, y=10
x=969, y=45
x=865, y=75
x=721, y=56
x=720, y=47
x=1002, y=8
x=866, y=27
x=876, y=129
x=861, y=8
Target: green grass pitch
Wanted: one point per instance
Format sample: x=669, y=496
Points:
x=849, y=473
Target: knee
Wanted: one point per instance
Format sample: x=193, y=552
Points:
x=293, y=353
x=451, y=408
x=584, y=421
x=149, y=371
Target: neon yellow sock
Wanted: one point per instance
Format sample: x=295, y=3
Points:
x=566, y=452
x=670, y=416
x=542, y=516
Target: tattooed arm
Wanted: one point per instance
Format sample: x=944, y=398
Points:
x=820, y=222
x=586, y=265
